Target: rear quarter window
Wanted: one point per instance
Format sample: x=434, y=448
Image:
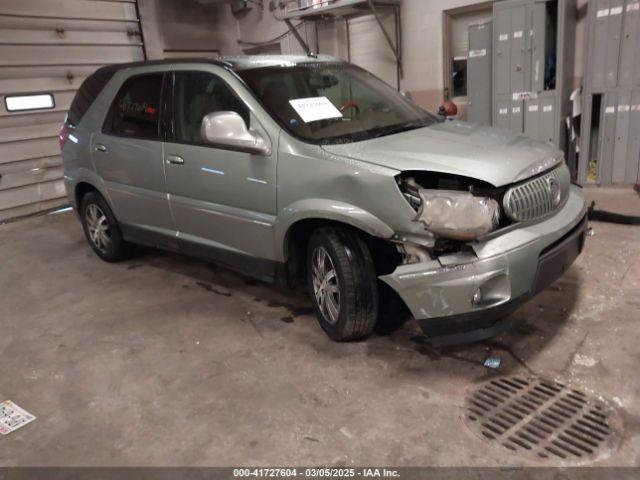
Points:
x=87, y=93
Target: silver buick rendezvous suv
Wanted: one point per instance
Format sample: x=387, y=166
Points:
x=310, y=169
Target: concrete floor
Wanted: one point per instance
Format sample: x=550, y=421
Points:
x=164, y=360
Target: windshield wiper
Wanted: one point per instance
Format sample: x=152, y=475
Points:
x=375, y=132
x=403, y=127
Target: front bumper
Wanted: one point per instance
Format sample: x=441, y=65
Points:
x=508, y=269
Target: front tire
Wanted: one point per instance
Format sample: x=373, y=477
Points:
x=102, y=230
x=343, y=284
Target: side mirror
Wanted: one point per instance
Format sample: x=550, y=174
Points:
x=229, y=129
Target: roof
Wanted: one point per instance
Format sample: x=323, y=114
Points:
x=239, y=62
x=245, y=62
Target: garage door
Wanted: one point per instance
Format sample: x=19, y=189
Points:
x=48, y=48
x=368, y=47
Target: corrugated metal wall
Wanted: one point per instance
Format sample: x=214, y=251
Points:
x=369, y=49
x=51, y=46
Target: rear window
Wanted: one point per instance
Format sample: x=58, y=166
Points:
x=87, y=93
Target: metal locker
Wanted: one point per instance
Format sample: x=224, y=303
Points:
x=503, y=114
x=547, y=119
x=502, y=46
x=519, y=68
x=607, y=140
x=619, y=167
x=516, y=117
x=635, y=8
x=599, y=52
x=614, y=32
x=632, y=174
x=479, y=73
x=537, y=39
x=532, y=118
x=629, y=58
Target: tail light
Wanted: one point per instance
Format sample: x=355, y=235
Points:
x=65, y=131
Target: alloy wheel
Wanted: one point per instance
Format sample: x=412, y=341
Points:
x=98, y=228
x=325, y=285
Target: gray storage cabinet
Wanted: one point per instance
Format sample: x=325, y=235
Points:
x=612, y=80
x=619, y=138
x=479, y=73
x=532, y=38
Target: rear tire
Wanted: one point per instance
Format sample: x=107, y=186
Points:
x=102, y=230
x=343, y=284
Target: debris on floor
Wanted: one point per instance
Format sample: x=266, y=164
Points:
x=493, y=362
x=12, y=417
x=584, y=360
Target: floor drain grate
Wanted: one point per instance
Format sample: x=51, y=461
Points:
x=544, y=419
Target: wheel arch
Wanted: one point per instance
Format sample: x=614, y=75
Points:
x=85, y=181
x=295, y=236
x=80, y=190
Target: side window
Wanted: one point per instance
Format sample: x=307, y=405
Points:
x=197, y=94
x=135, y=112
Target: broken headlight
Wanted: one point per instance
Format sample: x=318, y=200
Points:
x=451, y=206
x=458, y=215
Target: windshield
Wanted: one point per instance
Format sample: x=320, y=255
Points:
x=334, y=103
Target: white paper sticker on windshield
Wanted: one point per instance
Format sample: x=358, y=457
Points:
x=315, y=108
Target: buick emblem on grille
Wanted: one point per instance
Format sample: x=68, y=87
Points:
x=555, y=192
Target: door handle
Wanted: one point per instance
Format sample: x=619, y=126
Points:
x=100, y=147
x=175, y=159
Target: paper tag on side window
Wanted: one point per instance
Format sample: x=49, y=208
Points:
x=315, y=108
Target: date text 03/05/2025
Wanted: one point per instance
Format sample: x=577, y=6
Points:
x=316, y=472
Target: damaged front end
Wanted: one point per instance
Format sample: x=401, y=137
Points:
x=476, y=261
x=454, y=210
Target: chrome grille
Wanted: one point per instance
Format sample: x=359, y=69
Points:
x=537, y=197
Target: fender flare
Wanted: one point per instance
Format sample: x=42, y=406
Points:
x=325, y=209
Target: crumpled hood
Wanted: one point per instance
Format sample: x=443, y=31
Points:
x=496, y=156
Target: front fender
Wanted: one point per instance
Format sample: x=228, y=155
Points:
x=325, y=209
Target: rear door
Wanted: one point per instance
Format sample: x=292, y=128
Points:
x=223, y=199
x=128, y=156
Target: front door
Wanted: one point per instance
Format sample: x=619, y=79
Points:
x=128, y=156
x=223, y=200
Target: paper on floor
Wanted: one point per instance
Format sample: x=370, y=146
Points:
x=12, y=417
